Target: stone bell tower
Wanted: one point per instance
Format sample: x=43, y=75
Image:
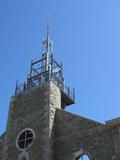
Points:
x=29, y=133
x=39, y=128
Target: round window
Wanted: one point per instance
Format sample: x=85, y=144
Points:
x=25, y=139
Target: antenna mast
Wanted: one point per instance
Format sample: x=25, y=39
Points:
x=47, y=43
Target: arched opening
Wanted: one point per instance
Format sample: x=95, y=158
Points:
x=84, y=157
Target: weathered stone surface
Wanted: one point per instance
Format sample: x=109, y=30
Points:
x=67, y=123
x=35, y=108
x=1, y=144
x=59, y=135
x=74, y=133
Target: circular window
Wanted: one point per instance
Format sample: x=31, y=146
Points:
x=25, y=139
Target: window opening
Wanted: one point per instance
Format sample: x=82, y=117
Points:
x=84, y=157
x=25, y=139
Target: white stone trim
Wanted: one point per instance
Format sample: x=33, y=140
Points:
x=26, y=129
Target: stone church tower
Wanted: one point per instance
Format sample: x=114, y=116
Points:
x=39, y=128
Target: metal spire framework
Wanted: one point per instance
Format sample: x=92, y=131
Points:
x=46, y=69
x=47, y=43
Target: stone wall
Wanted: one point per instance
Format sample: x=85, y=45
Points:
x=59, y=135
x=1, y=144
x=35, y=108
x=54, y=102
x=1, y=147
x=67, y=123
x=28, y=110
x=77, y=135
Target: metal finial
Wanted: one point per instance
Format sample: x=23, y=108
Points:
x=47, y=43
x=48, y=27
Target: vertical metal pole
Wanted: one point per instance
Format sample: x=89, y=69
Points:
x=51, y=60
x=61, y=71
x=27, y=83
x=31, y=68
x=16, y=87
x=47, y=58
x=51, y=47
x=74, y=94
x=49, y=72
x=51, y=66
x=48, y=33
x=24, y=87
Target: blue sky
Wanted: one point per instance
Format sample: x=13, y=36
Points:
x=86, y=35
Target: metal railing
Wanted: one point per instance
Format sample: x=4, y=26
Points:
x=41, y=79
x=60, y=83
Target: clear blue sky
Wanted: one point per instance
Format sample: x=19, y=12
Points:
x=86, y=35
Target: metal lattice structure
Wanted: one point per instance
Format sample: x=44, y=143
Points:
x=44, y=70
